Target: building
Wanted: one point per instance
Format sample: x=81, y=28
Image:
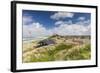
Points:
x=46, y=42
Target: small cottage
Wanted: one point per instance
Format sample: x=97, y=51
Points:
x=46, y=42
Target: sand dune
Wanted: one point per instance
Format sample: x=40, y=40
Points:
x=74, y=48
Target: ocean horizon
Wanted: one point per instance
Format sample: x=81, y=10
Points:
x=33, y=38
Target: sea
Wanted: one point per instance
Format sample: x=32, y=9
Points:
x=30, y=39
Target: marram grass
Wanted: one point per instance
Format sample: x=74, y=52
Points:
x=69, y=53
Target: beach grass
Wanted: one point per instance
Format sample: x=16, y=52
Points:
x=57, y=52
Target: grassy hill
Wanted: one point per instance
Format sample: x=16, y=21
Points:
x=65, y=48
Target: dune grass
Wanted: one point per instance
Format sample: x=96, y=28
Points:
x=49, y=55
x=79, y=54
x=61, y=51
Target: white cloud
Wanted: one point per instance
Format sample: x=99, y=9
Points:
x=63, y=22
x=35, y=29
x=62, y=15
x=38, y=30
x=59, y=22
x=81, y=18
x=68, y=28
x=73, y=29
x=27, y=20
x=84, y=22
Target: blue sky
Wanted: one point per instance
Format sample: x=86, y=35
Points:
x=53, y=21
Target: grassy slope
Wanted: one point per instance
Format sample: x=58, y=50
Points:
x=57, y=52
x=62, y=52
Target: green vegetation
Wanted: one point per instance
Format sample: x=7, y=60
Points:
x=49, y=54
x=75, y=54
x=79, y=54
x=62, y=46
x=62, y=50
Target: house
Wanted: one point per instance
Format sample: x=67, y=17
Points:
x=46, y=42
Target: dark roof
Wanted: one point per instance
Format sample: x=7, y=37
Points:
x=47, y=41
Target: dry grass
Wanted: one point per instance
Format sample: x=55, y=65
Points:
x=62, y=50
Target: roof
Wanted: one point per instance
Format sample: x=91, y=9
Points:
x=47, y=41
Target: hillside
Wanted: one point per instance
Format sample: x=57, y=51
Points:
x=64, y=48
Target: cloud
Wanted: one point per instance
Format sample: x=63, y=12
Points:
x=34, y=30
x=31, y=28
x=62, y=15
x=63, y=22
x=78, y=28
x=73, y=29
x=38, y=30
x=84, y=22
x=81, y=18
x=59, y=22
x=27, y=20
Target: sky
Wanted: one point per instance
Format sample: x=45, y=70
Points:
x=47, y=23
